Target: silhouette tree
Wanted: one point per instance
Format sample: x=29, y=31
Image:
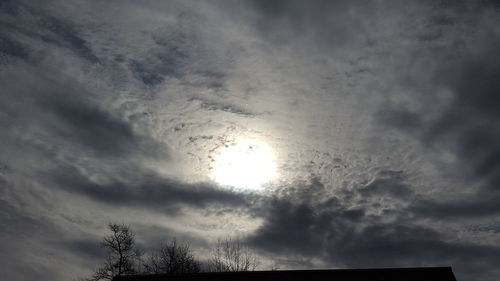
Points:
x=172, y=258
x=122, y=256
x=232, y=255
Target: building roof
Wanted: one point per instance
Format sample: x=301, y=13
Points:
x=376, y=274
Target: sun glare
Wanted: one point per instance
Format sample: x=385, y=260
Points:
x=247, y=164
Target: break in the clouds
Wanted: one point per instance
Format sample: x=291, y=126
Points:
x=382, y=118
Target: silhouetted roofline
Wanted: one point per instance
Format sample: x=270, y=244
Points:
x=365, y=274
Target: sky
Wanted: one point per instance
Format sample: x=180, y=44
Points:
x=375, y=125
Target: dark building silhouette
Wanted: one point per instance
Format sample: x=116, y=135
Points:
x=379, y=274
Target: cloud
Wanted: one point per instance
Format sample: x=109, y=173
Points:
x=283, y=20
x=67, y=112
x=462, y=126
x=30, y=23
x=12, y=48
x=141, y=189
x=382, y=116
x=473, y=206
x=412, y=245
x=474, y=112
x=343, y=236
x=167, y=59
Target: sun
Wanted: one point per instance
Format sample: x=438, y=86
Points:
x=246, y=163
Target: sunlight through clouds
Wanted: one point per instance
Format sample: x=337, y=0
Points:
x=246, y=164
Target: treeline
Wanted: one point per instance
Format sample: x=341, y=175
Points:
x=123, y=257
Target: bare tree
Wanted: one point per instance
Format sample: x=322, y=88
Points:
x=232, y=255
x=122, y=256
x=172, y=258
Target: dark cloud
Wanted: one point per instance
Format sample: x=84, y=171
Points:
x=88, y=249
x=343, y=230
x=33, y=23
x=352, y=238
x=143, y=189
x=294, y=229
x=388, y=184
x=400, y=118
x=10, y=47
x=302, y=220
x=473, y=206
x=92, y=127
x=339, y=23
x=474, y=113
x=27, y=236
x=466, y=126
x=406, y=245
x=68, y=112
x=166, y=60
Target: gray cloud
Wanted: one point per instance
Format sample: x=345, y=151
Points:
x=346, y=21
x=141, y=189
x=32, y=23
x=347, y=237
x=464, y=126
x=166, y=60
x=383, y=117
x=378, y=245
